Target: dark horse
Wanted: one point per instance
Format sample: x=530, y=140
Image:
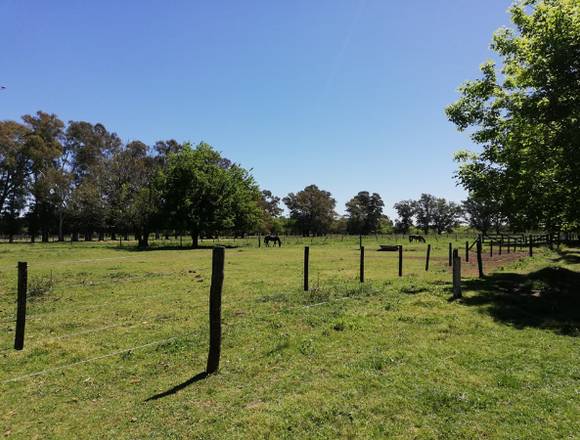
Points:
x=272, y=238
x=418, y=238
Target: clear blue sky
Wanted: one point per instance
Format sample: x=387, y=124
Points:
x=346, y=94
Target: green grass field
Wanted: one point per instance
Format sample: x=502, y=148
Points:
x=116, y=340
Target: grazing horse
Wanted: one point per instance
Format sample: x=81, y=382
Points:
x=272, y=238
x=418, y=238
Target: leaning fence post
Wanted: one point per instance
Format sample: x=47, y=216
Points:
x=21, y=305
x=306, y=260
x=450, y=254
x=215, y=309
x=467, y=251
x=456, y=275
x=479, y=260
x=362, y=264
x=401, y=260
x=427, y=259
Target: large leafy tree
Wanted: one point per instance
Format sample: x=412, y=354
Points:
x=91, y=149
x=312, y=209
x=445, y=215
x=424, y=209
x=133, y=198
x=364, y=213
x=45, y=149
x=14, y=174
x=405, y=211
x=482, y=214
x=525, y=115
x=206, y=193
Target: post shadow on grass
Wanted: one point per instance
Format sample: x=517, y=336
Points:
x=175, y=389
x=547, y=299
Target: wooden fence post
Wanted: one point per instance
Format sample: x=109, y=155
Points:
x=450, y=254
x=427, y=259
x=306, y=261
x=456, y=275
x=215, y=309
x=467, y=252
x=259, y=240
x=531, y=248
x=479, y=260
x=21, y=305
x=491, y=248
x=401, y=260
x=362, y=264
x=508, y=245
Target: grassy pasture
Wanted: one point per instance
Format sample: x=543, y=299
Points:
x=116, y=339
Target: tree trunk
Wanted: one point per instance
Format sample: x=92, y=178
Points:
x=143, y=240
x=101, y=236
x=113, y=236
x=60, y=223
x=74, y=236
x=11, y=238
x=126, y=238
x=44, y=235
x=194, y=240
x=88, y=235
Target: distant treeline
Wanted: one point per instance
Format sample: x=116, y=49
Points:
x=80, y=180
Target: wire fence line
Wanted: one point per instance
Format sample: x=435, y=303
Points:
x=153, y=343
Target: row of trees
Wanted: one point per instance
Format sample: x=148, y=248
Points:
x=525, y=115
x=81, y=178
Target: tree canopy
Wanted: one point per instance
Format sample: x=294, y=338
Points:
x=525, y=115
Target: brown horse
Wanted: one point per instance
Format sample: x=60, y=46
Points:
x=418, y=238
x=272, y=238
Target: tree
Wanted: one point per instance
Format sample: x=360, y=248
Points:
x=44, y=146
x=527, y=119
x=312, y=209
x=14, y=174
x=424, y=210
x=445, y=215
x=207, y=193
x=405, y=210
x=364, y=213
x=133, y=198
x=91, y=149
x=481, y=214
x=270, y=205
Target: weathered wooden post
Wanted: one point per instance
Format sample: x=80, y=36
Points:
x=450, y=254
x=467, y=251
x=530, y=245
x=259, y=240
x=21, y=305
x=306, y=261
x=456, y=275
x=215, y=309
x=401, y=260
x=479, y=260
x=427, y=258
x=362, y=264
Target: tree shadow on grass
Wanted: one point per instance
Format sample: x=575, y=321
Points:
x=548, y=299
x=568, y=256
x=135, y=248
x=175, y=389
